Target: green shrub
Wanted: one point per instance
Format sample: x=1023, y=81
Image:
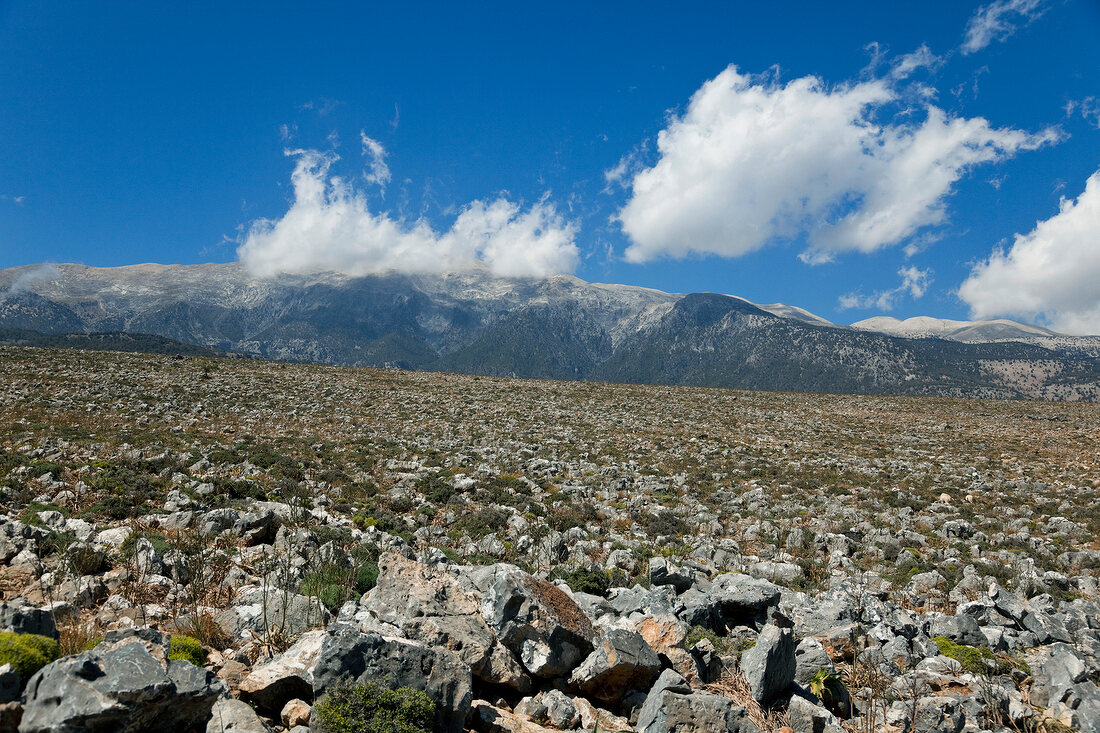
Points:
x=595, y=582
x=27, y=653
x=187, y=649
x=366, y=708
x=160, y=543
x=329, y=584
x=366, y=576
x=974, y=659
x=335, y=583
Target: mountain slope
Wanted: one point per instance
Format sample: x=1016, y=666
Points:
x=559, y=327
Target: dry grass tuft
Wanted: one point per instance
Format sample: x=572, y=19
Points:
x=78, y=634
x=202, y=626
x=732, y=684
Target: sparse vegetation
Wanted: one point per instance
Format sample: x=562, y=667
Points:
x=367, y=708
x=27, y=653
x=187, y=649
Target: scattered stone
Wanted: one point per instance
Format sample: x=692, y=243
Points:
x=295, y=712
x=234, y=716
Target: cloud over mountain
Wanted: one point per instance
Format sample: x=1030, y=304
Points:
x=329, y=226
x=1052, y=272
x=751, y=163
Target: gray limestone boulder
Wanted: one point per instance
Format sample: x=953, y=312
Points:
x=423, y=603
x=696, y=608
x=286, y=677
x=769, y=666
x=673, y=707
x=810, y=658
x=1056, y=669
x=743, y=599
x=940, y=715
x=537, y=622
x=125, y=684
x=256, y=528
x=650, y=601
x=663, y=572
x=271, y=611
x=961, y=629
x=216, y=521
x=560, y=710
x=350, y=656
x=234, y=716
x=809, y=717
x=23, y=617
x=621, y=662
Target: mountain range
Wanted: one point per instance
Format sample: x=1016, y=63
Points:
x=559, y=327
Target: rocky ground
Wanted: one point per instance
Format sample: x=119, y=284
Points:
x=539, y=555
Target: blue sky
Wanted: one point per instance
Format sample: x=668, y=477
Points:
x=866, y=160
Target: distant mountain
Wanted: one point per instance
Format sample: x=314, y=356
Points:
x=138, y=343
x=559, y=327
x=981, y=332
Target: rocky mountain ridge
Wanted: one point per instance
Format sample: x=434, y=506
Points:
x=558, y=327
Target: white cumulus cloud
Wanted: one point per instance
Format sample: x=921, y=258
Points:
x=752, y=163
x=1052, y=273
x=330, y=226
x=999, y=20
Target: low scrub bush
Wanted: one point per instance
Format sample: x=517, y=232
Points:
x=367, y=708
x=27, y=653
x=187, y=649
x=594, y=582
x=974, y=659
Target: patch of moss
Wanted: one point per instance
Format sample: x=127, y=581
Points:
x=367, y=708
x=27, y=653
x=187, y=649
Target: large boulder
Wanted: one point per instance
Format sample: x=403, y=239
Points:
x=538, y=622
x=256, y=528
x=673, y=707
x=743, y=599
x=810, y=658
x=26, y=618
x=769, y=666
x=426, y=604
x=271, y=612
x=622, y=661
x=127, y=683
x=348, y=655
x=663, y=572
x=1057, y=669
x=286, y=677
